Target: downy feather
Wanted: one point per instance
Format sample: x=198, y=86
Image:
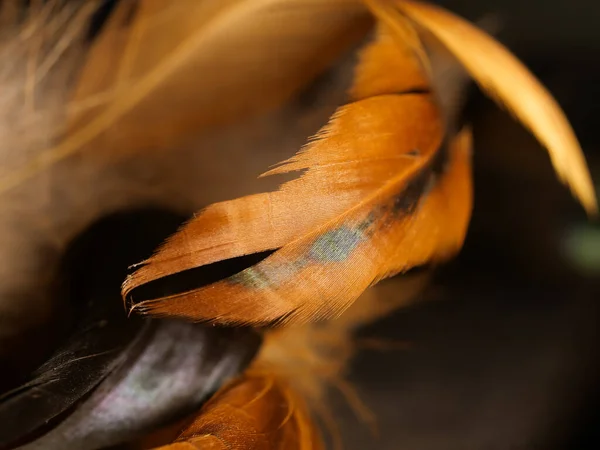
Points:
x=162, y=70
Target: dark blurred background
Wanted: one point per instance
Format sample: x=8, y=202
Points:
x=504, y=343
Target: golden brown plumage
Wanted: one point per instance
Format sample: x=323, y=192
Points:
x=361, y=211
x=255, y=412
x=371, y=171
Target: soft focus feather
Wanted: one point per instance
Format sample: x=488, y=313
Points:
x=503, y=77
x=362, y=216
x=40, y=51
x=163, y=70
x=255, y=412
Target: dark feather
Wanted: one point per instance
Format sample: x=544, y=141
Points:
x=115, y=378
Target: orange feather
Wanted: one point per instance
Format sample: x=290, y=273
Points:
x=381, y=192
x=255, y=412
x=370, y=179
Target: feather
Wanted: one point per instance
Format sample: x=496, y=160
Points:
x=504, y=78
x=401, y=223
x=164, y=70
x=40, y=51
x=113, y=378
x=389, y=233
x=255, y=412
x=95, y=350
x=171, y=369
x=360, y=203
x=266, y=221
x=380, y=194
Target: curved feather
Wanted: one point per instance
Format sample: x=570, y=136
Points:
x=267, y=221
x=364, y=169
x=504, y=78
x=320, y=274
x=347, y=223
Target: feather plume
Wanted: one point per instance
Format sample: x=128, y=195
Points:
x=371, y=203
x=406, y=221
x=163, y=70
x=40, y=51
